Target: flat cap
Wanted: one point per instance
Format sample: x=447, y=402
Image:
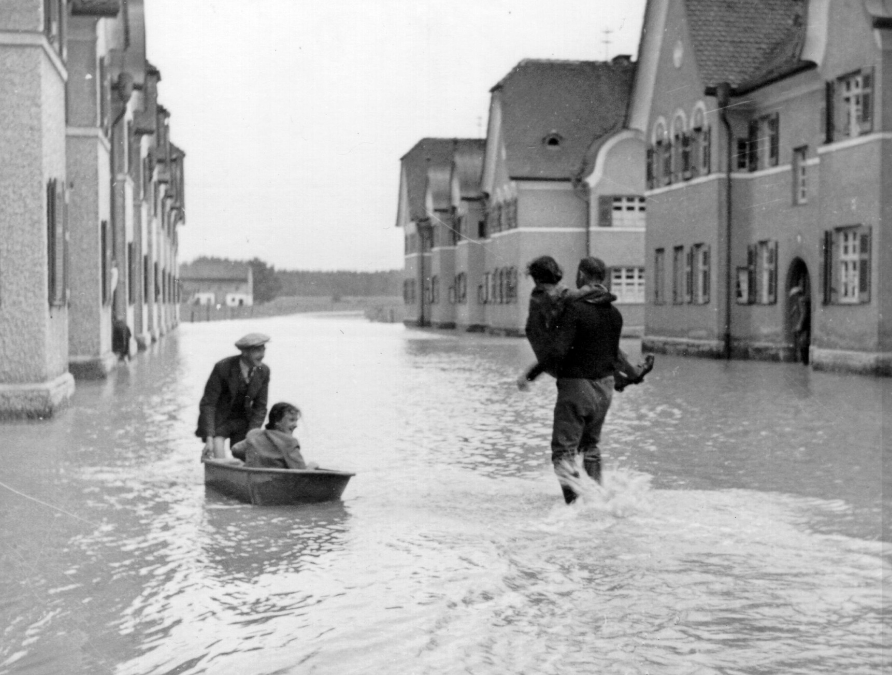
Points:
x=252, y=340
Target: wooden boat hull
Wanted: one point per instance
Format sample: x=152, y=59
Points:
x=275, y=487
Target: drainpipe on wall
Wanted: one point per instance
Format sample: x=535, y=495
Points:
x=581, y=191
x=723, y=97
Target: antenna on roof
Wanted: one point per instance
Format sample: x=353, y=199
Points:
x=606, y=42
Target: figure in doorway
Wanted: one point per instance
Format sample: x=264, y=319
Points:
x=800, y=308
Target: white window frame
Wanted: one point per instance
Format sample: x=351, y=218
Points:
x=849, y=261
x=627, y=284
x=800, y=175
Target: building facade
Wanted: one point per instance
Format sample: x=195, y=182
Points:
x=73, y=78
x=556, y=152
x=217, y=282
x=768, y=158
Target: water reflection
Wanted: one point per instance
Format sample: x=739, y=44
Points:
x=241, y=542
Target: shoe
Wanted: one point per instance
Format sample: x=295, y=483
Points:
x=647, y=367
x=569, y=495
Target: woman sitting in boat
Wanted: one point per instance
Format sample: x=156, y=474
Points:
x=275, y=447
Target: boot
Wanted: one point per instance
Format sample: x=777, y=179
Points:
x=569, y=494
x=593, y=469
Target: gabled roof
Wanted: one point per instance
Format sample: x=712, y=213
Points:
x=467, y=166
x=428, y=152
x=745, y=42
x=214, y=268
x=570, y=102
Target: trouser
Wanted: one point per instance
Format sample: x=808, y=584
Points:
x=578, y=417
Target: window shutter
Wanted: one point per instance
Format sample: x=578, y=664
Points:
x=774, y=140
x=650, y=168
x=751, y=255
x=864, y=264
x=772, y=272
x=66, y=248
x=706, y=149
x=752, y=146
x=829, y=105
x=605, y=211
x=866, y=121
x=706, y=272
x=826, y=261
x=689, y=274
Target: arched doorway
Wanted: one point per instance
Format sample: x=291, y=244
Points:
x=799, y=303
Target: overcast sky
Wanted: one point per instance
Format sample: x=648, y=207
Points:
x=294, y=113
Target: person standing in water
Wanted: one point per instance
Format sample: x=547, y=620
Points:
x=582, y=353
x=235, y=396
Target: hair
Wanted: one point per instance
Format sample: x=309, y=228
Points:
x=278, y=411
x=593, y=268
x=545, y=270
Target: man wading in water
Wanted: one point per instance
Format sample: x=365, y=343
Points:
x=582, y=353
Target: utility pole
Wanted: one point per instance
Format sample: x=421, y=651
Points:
x=606, y=42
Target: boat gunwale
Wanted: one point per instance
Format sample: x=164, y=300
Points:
x=263, y=469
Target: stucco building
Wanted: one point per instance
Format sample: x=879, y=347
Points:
x=217, y=282
x=768, y=146
x=72, y=89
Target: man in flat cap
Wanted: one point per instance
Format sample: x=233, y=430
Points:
x=235, y=396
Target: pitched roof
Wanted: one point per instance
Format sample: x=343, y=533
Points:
x=744, y=42
x=552, y=111
x=214, y=268
x=468, y=166
x=426, y=153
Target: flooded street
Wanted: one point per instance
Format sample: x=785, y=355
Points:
x=743, y=527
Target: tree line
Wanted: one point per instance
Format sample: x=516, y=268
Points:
x=271, y=283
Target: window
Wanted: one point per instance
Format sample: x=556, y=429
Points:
x=483, y=295
x=457, y=228
x=659, y=157
x=659, y=271
x=627, y=284
x=800, y=175
x=57, y=242
x=849, y=105
x=131, y=273
x=481, y=229
x=700, y=145
x=145, y=278
x=511, y=285
x=461, y=288
x=678, y=275
x=511, y=214
x=157, y=282
x=680, y=150
x=760, y=283
x=700, y=263
x=763, y=143
x=621, y=211
x=435, y=290
x=846, y=262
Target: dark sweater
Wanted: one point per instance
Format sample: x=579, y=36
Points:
x=585, y=343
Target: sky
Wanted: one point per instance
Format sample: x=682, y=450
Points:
x=294, y=113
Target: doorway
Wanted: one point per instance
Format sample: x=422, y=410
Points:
x=799, y=303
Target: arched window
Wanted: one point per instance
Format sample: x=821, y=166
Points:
x=700, y=142
x=681, y=155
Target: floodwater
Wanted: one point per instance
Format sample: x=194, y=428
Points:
x=743, y=528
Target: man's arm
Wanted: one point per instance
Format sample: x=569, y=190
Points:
x=258, y=405
x=208, y=404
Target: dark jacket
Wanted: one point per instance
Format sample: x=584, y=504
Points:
x=218, y=405
x=585, y=343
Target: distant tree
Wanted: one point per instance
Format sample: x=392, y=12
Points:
x=266, y=282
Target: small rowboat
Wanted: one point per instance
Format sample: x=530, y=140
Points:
x=275, y=487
